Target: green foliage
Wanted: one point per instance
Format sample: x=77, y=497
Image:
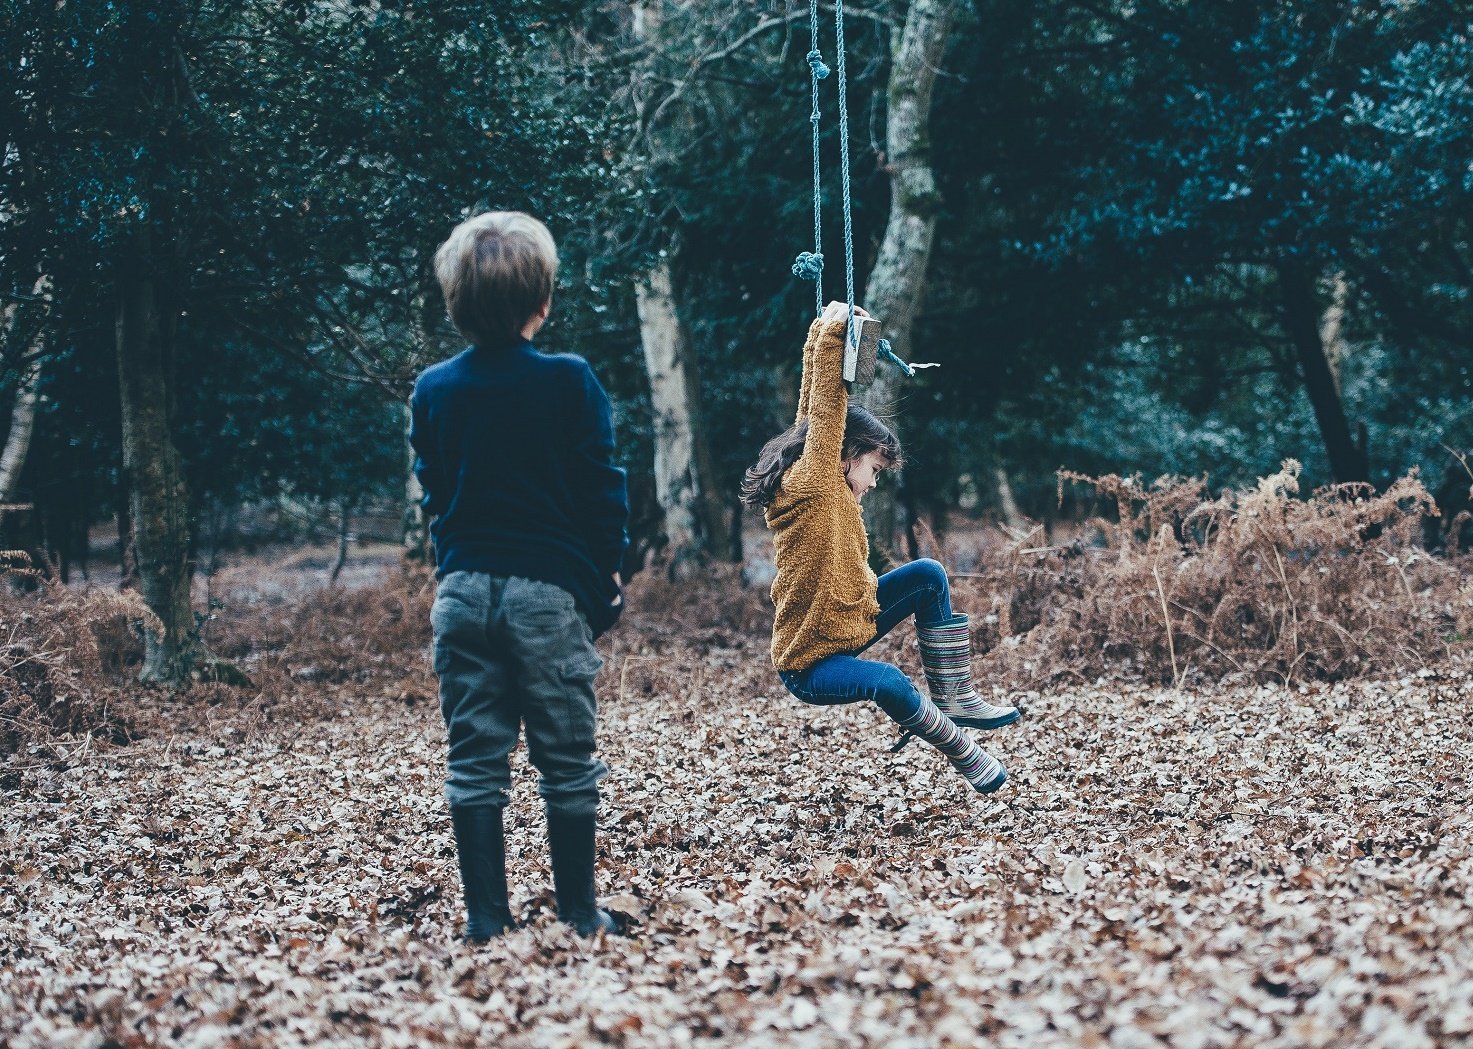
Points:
x=1103, y=286
x=261, y=425
x=290, y=169
x=1120, y=185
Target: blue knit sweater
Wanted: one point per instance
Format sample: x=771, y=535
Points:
x=514, y=449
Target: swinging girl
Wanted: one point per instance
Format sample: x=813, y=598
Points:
x=809, y=480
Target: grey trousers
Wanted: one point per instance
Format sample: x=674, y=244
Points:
x=512, y=652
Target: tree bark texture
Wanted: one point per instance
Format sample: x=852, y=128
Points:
x=22, y=424
x=23, y=405
x=345, y=517
x=897, y=282
x=158, y=503
x=1332, y=329
x=127, y=556
x=415, y=533
x=694, y=516
x=1007, y=504
x=1302, y=317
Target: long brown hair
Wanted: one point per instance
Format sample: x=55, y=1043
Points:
x=862, y=433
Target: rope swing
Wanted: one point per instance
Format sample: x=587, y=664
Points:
x=863, y=343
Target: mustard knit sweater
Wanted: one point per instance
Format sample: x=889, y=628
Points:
x=824, y=590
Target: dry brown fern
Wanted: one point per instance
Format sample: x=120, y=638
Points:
x=63, y=657
x=1259, y=584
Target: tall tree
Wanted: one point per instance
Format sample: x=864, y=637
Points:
x=149, y=72
x=1303, y=323
x=694, y=525
x=1290, y=142
x=897, y=282
x=694, y=517
x=219, y=211
x=158, y=499
x=27, y=357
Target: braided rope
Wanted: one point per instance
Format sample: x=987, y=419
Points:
x=844, y=166
x=809, y=264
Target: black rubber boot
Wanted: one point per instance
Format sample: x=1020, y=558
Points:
x=482, y=847
x=570, y=841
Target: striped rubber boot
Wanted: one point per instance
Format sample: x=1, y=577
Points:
x=946, y=657
x=984, y=772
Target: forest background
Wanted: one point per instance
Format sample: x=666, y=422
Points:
x=1198, y=277
x=1144, y=238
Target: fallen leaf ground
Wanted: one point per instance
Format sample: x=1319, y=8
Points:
x=1254, y=867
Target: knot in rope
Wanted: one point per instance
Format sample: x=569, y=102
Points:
x=815, y=62
x=886, y=352
x=808, y=265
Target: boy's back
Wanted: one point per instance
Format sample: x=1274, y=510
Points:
x=515, y=456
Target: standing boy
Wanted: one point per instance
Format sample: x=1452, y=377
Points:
x=515, y=453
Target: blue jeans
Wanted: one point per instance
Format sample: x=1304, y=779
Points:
x=917, y=589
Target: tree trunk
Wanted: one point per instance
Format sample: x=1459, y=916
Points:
x=1348, y=460
x=415, y=533
x=736, y=513
x=1007, y=504
x=695, y=524
x=27, y=387
x=127, y=556
x=893, y=293
x=911, y=517
x=158, y=502
x=83, y=541
x=344, y=518
x=22, y=424
x=215, y=517
x=1332, y=329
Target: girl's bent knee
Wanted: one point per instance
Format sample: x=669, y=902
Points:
x=932, y=569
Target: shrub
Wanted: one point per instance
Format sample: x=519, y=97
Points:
x=65, y=660
x=333, y=634
x=1256, y=585
x=69, y=659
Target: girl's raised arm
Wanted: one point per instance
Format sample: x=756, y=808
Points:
x=806, y=383
x=824, y=399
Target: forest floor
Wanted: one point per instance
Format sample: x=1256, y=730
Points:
x=1257, y=866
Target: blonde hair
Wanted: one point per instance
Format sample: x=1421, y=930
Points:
x=496, y=271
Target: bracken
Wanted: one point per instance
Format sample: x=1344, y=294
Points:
x=1258, y=585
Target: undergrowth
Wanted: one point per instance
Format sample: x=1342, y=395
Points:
x=1169, y=584
x=1260, y=585
x=69, y=662
x=65, y=664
